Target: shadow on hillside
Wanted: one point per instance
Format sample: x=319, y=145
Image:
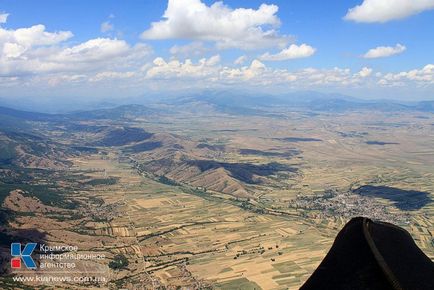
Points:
x=243, y=171
x=23, y=236
x=403, y=199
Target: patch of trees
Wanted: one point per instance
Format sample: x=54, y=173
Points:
x=119, y=262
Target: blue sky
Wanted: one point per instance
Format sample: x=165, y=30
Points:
x=364, y=48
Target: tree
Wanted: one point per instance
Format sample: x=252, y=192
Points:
x=119, y=262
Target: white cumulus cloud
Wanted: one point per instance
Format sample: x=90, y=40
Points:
x=176, y=69
x=32, y=36
x=209, y=72
x=241, y=27
x=422, y=77
x=33, y=51
x=97, y=49
x=292, y=52
x=365, y=72
x=384, y=51
x=385, y=10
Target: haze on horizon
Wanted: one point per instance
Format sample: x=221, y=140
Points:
x=105, y=51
